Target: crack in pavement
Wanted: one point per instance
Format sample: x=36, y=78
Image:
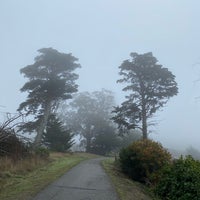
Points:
x=54, y=195
x=86, y=181
x=78, y=188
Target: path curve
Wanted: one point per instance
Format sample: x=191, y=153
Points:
x=86, y=181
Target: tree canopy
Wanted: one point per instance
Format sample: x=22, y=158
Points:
x=88, y=114
x=149, y=86
x=51, y=78
x=106, y=140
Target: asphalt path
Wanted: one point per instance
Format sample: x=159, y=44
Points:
x=86, y=181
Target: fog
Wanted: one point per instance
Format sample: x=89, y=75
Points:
x=102, y=34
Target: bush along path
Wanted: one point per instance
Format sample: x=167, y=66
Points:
x=147, y=162
x=180, y=180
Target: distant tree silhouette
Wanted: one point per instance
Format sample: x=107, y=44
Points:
x=88, y=114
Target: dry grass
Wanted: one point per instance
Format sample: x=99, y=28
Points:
x=21, y=166
x=23, y=179
x=12, y=171
x=126, y=188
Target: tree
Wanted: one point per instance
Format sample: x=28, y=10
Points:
x=51, y=79
x=106, y=139
x=150, y=86
x=56, y=137
x=88, y=114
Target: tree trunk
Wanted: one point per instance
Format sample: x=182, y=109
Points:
x=41, y=127
x=144, y=126
x=144, y=119
x=88, y=145
x=88, y=139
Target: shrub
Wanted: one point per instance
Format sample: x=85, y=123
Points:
x=142, y=158
x=180, y=180
x=42, y=152
x=12, y=146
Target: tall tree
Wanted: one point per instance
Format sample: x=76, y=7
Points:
x=88, y=114
x=51, y=79
x=150, y=86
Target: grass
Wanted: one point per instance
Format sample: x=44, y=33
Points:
x=22, y=184
x=20, y=166
x=125, y=187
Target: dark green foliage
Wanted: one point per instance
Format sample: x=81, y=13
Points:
x=142, y=158
x=56, y=137
x=180, y=180
x=105, y=142
x=149, y=84
x=12, y=146
x=50, y=80
x=42, y=152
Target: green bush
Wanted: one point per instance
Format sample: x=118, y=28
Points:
x=142, y=158
x=180, y=180
x=12, y=146
x=42, y=152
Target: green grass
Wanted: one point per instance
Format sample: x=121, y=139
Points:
x=22, y=186
x=125, y=187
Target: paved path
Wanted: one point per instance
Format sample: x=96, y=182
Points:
x=86, y=181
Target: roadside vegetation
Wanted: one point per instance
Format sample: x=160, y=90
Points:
x=23, y=179
x=126, y=188
x=103, y=128
x=148, y=163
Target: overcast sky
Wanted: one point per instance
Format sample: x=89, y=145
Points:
x=102, y=34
